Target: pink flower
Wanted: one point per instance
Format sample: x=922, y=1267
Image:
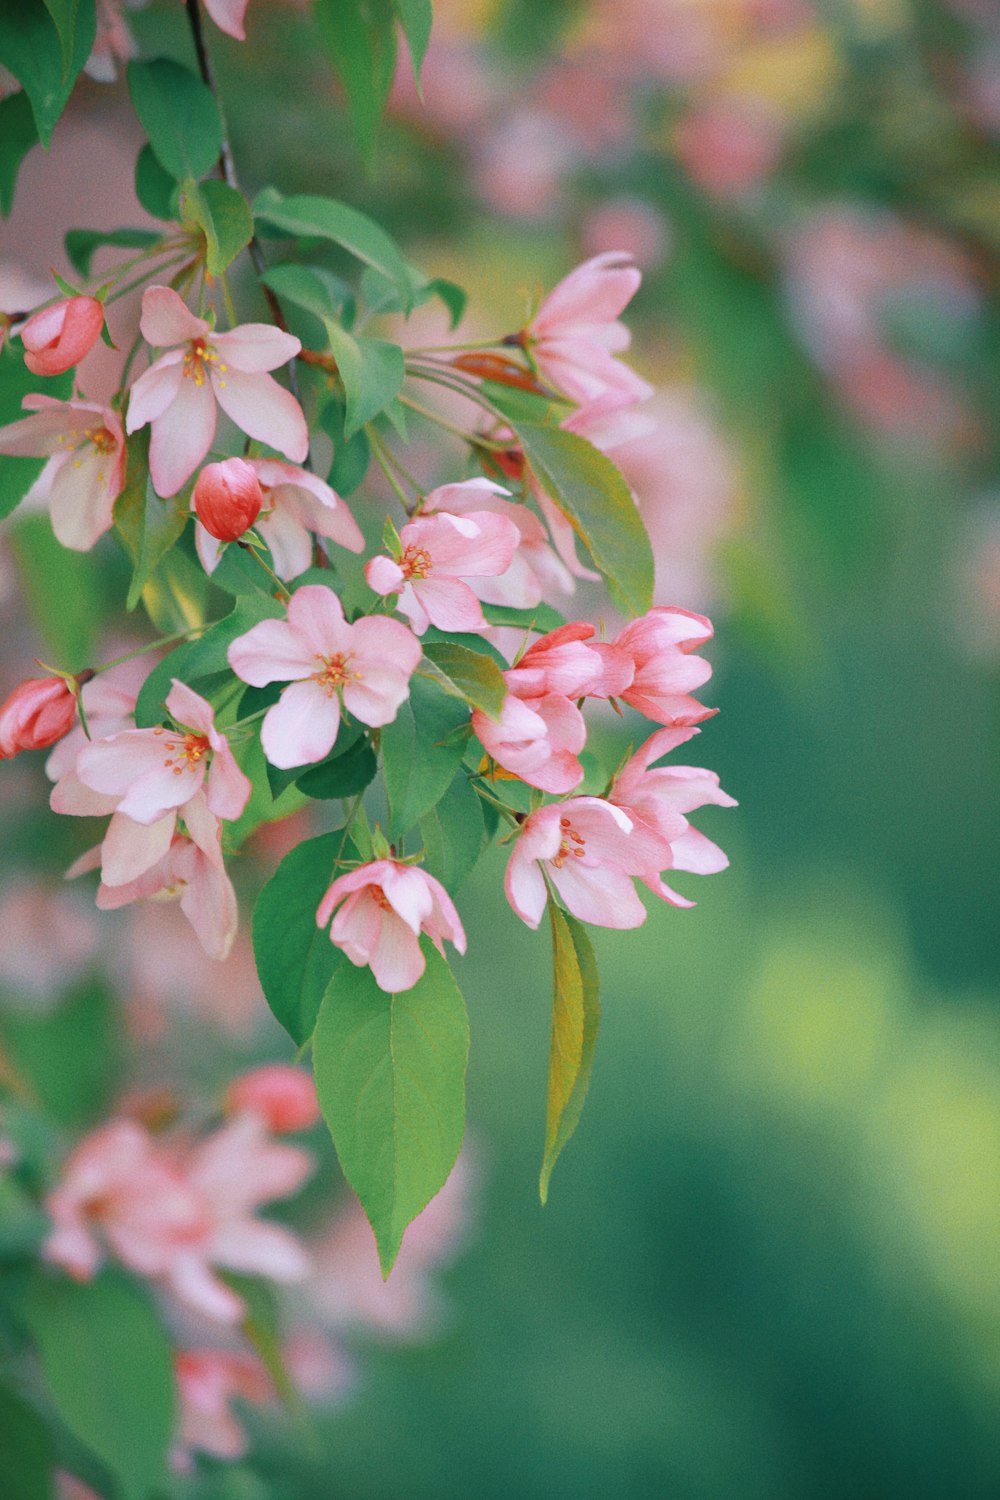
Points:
x=228, y=16
x=177, y=394
x=589, y=850
x=85, y=474
x=109, y=703
x=284, y=1097
x=660, y=644
x=570, y=662
x=534, y=569
x=575, y=334
x=207, y=1380
x=38, y=712
x=386, y=907
x=661, y=798
x=227, y=498
x=439, y=551
x=368, y=664
x=192, y=873
x=296, y=504
x=537, y=741
x=113, y=42
x=58, y=337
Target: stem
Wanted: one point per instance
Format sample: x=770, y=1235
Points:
x=123, y=291
x=434, y=375
x=347, y=828
x=474, y=439
x=167, y=640
x=283, y=593
x=488, y=797
x=383, y=458
x=455, y=348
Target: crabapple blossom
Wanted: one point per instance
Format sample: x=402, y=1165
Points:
x=568, y=661
x=207, y=1380
x=38, y=712
x=177, y=395
x=192, y=873
x=324, y=659
x=108, y=701
x=284, y=1097
x=537, y=741
x=439, y=552
x=85, y=474
x=386, y=905
x=534, y=570
x=296, y=504
x=660, y=644
x=56, y=338
x=227, y=498
x=589, y=850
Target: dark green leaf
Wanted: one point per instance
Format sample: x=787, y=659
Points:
x=31, y=48
x=64, y=18
x=542, y=617
x=576, y=1016
x=361, y=46
x=343, y=776
x=469, y=674
x=350, y=459
x=81, y=243
x=17, y=475
x=421, y=752
x=223, y=215
x=107, y=1364
x=308, y=215
x=263, y=806
x=202, y=657
x=415, y=17
x=390, y=1074
x=18, y=133
x=454, y=833
x=451, y=294
x=295, y=958
x=372, y=372
x=148, y=526
x=26, y=1451
x=155, y=189
x=179, y=114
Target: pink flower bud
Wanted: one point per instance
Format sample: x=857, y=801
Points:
x=228, y=498
x=38, y=712
x=284, y=1097
x=58, y=337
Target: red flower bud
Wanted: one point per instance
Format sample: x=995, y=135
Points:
x=227, y=498
x=38, y=712
x=500, y=369
x=58, y=337
x=284, y=1097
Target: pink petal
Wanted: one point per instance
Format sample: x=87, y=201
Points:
x=301, y=727
x=605, y=897
x=692, y=851
x=317, y=616
x=524, y=885
x=398, y=961
x=383, y=576
x=208, y=547
x=264, y=410
x=39, y=435
x=194, y=1283
x=253, y=348
x=595, y=292
x=166, y=319
x=182, y=435
x=228, y=16
x=82, y=496
x=408, y=893
x=189, y=708
x=71, y=796
x=209, y=903
x=289, y=541
x=272, y=651
x=449, y=604
x=228, y=790
x=130, y=848
x=155, y=389
x=356, y=927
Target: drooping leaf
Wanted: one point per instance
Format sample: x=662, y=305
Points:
x=390, y=1074
x=350, y=459
x=576, y=1015
x=454, y=833
x=107, y=1364
x=310, y=216
x=46, y=60
x=155, y=189
x=26, y=1460
x=468, y=674
x=313, y=288
x=360, y=41
x=197, y=659
x=179, y=114
x=295, y=958
x=451, y=294
x=372, y=372
x=81, y=243
x=421, y=751
x=18, y=133
x=223, y=215
x=415, y=17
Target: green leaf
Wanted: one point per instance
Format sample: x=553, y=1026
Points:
x=421, y=752
x=468, y=674
x=372, y=371
x=26, y=1460
x=451, y=294
x=541, y=617
x=390, y=1074
x=595, y=499
x=147, y=525
x=64, y=18
x=313, y=288
x=295, y=958
x=155, y=189
x=17, y=475
x=415, y=17
x=46, y=64
x=66, y=592
x=179, y=114
x=72, y=1055
x=343, y=775
x=108, y=1367
x=576, y=1016
x=361, y=45
x=310, y=216
x=203, y=657
x=350, y=459
x=223, y=215
x=81, y=243
x=18, y=133
x=454, y=833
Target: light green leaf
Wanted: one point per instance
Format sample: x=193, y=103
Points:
x=313, y=288
x=107, y=1364
x=468, y=674
x=18, y=133
x=81, y=243
x=147, y=525
x=309, y=216
x=542, y=617
x=223, y=215
x=576, y=1015
x=66, y=591
x=179, y=114
x=26, y=1460
x=415, y=17
x=390, y=1074
x=33, y=49
x=71, y=1055
x=421, y=751
x=361, y=45
x=372, y=371
x=203, y=657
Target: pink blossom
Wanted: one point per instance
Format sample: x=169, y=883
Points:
x=386, y=907
x=576, y=332
x=113, y=42
x=177, y=394
x=589, y=850
x=661, y=799
x=109, y=703
x=661, y=643
x=728, y=146
x=228, y=15
x=57, y=939
x=537, y=741
x=368, y=664
x=439, y=552
x=534, y=570
x=38, y=712
x=192, y=873
x=296, y=504
x=207, y=1380
x=58, y=337
x=284, y=1097
x=85, y=474
x=570, y=662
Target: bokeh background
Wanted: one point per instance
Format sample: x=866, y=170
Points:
x=769, y=1265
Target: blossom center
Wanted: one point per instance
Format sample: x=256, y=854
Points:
x=200, y=353
x=335, y=672
x=185, y=753
x=415, y=562
x=101, y=438
x=380, y=898
x=570, y=843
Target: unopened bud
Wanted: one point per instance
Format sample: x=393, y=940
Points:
x=38, y=712
x=228, y=498
x=58, y=337
x=284, y=1097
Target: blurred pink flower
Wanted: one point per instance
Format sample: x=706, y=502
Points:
x=113, y=42
x=56, y=939
x=85, y=474
x=386, y=906
x=193, y=874
x=630, y=225
x=284, y=1097
x=229, y=15
x=728, y=145
x=207, y=1380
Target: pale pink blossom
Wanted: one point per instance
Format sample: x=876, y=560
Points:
x=568, y=661
x=229, y=15
x=38, y=712
x=538, y=741
x=367, y=664
x=284, y=1097
x=190, y=873
x=439, y=552
x=728, y=146
x=386, y=906
x=113, y=42
x=535, y=570
x=207, y=1381
x=85, y=474
x=109, y=704
x=661, y=799
x=589, y=850
x=57, y=338
x=177, y=395
x=57, y=939
x=296, y=505
x=661, y=644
